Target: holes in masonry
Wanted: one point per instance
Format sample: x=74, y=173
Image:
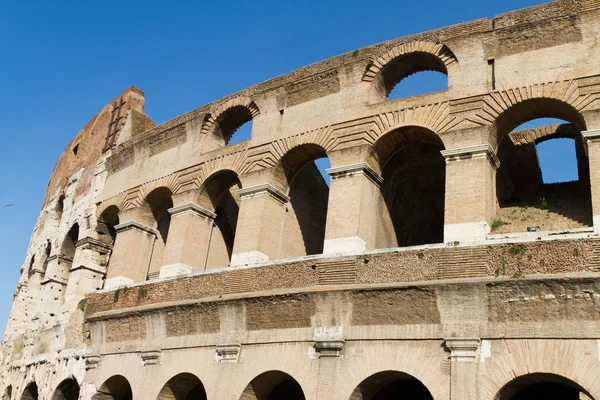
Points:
x=76, y=149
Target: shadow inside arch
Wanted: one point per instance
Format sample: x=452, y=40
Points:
x=391, y=385
x=542, y=386
x=273, y=385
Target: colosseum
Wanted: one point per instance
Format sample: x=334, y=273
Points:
x=168, y=263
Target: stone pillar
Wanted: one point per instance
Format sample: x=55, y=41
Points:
x=329, y=343
x=188, y=241
x=591, y=140
x=353, y=208
x=470, y=205
x=87, y=271
x=260, y=225
x=131, y=254
x=54, y=284
x=463, y=368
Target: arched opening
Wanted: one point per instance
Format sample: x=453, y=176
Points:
x=60, y=206
x=413, y=187
x=31, y=264
x=391, y=385
x=7, y=393
x=219, y=195
x=30, y=392
x=233, y=125
x=242, y=133
x=430, y=70
x=105, y=228
x=183, y=387
x=273, y=385
x=157, y=207
x=67, y=390
x=543, y=387
x=419, y=83
x=530, y=194
x=46, y=255
x=67, y=249
x=300, y=173
x=115, y=388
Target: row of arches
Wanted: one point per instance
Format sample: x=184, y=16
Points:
x=411, y=206
x=278, y=385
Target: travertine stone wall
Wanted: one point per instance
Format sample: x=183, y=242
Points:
x=166, y=261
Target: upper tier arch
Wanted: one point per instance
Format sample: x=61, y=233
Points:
x=227, y=117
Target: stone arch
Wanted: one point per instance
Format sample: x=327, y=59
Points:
x=297, y=175
x=273, y=385
x=155, y=214
x=67, y=248
x=412, y=189
x=226, y=118
x=394, y=65
x=542, y=385
x=46, y=255
x=516, y=358
x=7, y=393
x=219, y=195
x=116, y=387
x=184, y=386
x=389, y=385
x=107, y=221
x=66, y=390
x=30, y=392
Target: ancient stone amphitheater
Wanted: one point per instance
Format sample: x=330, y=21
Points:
x=436, y=264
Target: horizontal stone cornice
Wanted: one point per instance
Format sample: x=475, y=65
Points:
x=264, y=189
x=95, y=244
x=191, y=208
x=472, y=151
x=355, y=169
x=135, y=226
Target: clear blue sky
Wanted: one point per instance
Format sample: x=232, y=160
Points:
x=62, y=61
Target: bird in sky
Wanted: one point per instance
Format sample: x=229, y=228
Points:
x=9, y=205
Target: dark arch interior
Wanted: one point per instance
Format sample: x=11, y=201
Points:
x=524, y=198
x=115, y=388
x=31, y=263
x=306, y=216
x=541, y=387
x=220, y=196
x=159, y=201
x=30, y=392
x=67, y=390
x=68, y=246
x=230, y=121
x=183, y=387
x=47, y=251
x=404, y=66
x=7, y=393
x=413, y=188
x=273, y=385
x=105, y=228
x=391, y=385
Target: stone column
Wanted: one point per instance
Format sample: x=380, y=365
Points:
x=470, y=205
x=188, y=241
x=591, y=140
x=131, y=254
x=352, y=210
x=54, y=284
x=260, y=225
x=87, y=271
x=463, y=368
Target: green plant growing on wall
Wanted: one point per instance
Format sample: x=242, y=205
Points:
x=498, y=223
x=142, y=293
x=544, y=204
x=517, y=250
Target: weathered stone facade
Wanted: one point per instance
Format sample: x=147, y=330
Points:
x=169, y=264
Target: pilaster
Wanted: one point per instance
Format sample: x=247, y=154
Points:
x=463, y=367
x=470, y=204
x=260, y=224
x=591, y=140
x=352, y=211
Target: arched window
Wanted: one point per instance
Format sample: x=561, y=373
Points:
x=542, y=386
x=413, y=188
x=543, y=179
x=302, y=177
x=30, y=392
x=47, y=251
x=158, y=203
x=234, y=117
x=273, y=385
x=421, y=82
x=388, y=385
x=31, y=264
x=115, y=388
x=60, y=206
x=183, y=387
x=67, y=390
x=7, y=393
x=219, y=195
x=105, y=228
x=69, y=243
